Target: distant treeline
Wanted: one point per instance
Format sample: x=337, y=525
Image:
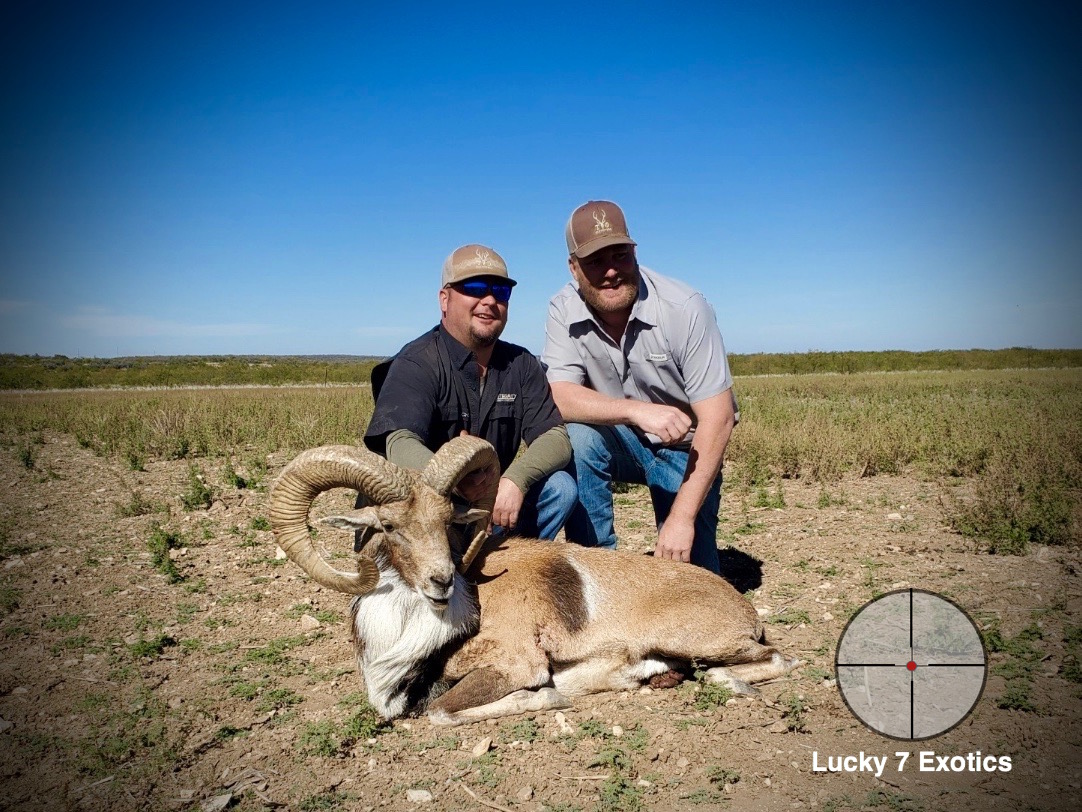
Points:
x=901, y=361
x=61, y=372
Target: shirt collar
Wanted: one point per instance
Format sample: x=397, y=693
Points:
x=461, y=356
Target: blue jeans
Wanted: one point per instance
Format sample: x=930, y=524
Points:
x=607, y=454
x=546, y=507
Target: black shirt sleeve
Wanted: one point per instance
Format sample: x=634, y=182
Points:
x=407, y=400
x=539, y=412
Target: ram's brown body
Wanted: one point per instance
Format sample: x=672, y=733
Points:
x=587, y=620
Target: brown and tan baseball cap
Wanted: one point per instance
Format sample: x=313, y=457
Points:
x=471, y=261
x=594, y=226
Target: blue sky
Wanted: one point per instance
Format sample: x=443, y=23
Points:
x=287, y=178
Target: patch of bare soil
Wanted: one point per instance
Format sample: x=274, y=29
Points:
x=232, y=687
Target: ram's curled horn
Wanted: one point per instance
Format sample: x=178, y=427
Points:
x=311, y=473
x=454, y=460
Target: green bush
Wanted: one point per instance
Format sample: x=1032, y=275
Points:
x=1017, y=503
x=198, y=496
x=161, y=541
x=319, y=739
x=231, y=478
x=152, y=647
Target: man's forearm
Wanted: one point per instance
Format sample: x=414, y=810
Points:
x=548, y=453
x=583, y=405
x=406, y=449
x=706, y=456
x=580, y=404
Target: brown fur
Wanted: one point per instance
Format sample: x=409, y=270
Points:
x=534, y=620
x=563, y=584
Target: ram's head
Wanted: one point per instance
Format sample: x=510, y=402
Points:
x=405, y=524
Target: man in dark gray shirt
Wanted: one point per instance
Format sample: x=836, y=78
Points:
x=460, y=378
x=639, y=372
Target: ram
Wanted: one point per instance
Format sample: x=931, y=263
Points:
x=519, y=624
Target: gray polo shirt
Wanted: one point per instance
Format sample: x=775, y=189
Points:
x=671, y=352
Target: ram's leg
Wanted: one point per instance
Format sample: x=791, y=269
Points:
x=515, y=703
x=487, y=694
x=595, y=674
x=739, y=677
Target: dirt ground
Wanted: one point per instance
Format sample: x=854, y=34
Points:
x=231, y=687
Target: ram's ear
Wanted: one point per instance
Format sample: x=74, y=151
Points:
x=364, y=523
x=464, y=515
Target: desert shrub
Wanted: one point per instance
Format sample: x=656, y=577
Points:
x=231, y=478
x=136, y=506
x=27, y=455
x=1017, y=502
x=1013, y=432
x=177, y=424
x=161, y=541
x=319, y=739
x=363, y=724
x=9, y=599
x=152, y=647
x=795, y=712
x=198, y=495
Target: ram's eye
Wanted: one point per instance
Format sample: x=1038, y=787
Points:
x=388, y=527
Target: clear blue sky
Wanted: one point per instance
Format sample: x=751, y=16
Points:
x=287, y=178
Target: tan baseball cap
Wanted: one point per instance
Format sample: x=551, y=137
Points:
x=595, y=225
x=471, y=261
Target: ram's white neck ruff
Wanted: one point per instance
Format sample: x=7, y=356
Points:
x=399, y=629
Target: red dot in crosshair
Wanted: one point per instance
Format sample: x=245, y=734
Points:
x=912, y=666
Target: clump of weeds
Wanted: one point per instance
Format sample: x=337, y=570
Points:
x=794, y=712
x=198, y=495
x=153, y=647
x=705, y=694
x=231, y=478
x=1017, y=503
x=1023, y=657
x=161, y=541
x=136, y=506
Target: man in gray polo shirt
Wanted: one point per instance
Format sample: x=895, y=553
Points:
x=638, y=371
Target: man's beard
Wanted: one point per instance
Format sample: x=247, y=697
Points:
x=486, y=339
x=624, y=298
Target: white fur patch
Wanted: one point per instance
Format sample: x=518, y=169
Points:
x=400, y=628
x=592, y=593
x=644, y=669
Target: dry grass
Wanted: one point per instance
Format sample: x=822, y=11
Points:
x=1016, y=433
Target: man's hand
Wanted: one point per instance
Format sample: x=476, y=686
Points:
x=473, y=486
x=666, y=422
x=675, y=539
x=508, y=503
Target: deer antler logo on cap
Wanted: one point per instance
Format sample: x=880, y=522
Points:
x=484, y=258
x=601, y=222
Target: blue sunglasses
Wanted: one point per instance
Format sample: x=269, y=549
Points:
x=479, y=289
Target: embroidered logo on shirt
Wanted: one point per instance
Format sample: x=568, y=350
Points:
x=601, y=224
x=657, y=356
x=506, y=397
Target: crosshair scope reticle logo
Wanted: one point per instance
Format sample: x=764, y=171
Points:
x=911, y=664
